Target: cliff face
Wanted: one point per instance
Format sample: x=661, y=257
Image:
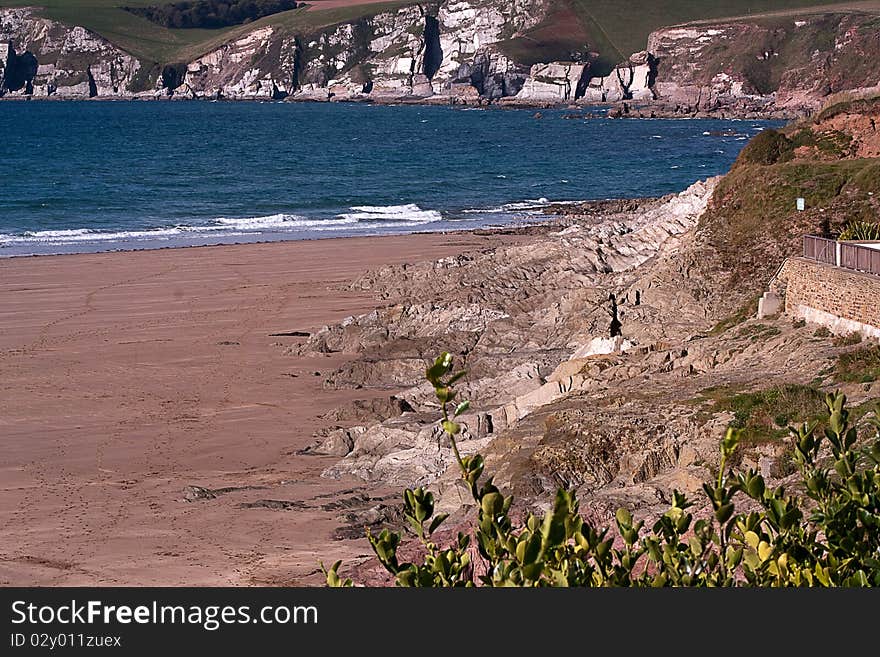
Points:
x=442, y=48
x=43, y=57
x=420, y=50
x=457, y=51
x=794, y=61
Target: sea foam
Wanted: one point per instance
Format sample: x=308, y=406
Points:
x=409, y=213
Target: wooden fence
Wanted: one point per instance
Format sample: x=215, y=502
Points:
x=821, y=249
x=860, y=258
x=856, y=257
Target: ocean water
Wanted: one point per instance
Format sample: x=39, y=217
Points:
x=93, y=176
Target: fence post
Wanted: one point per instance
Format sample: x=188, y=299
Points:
x=837, y=253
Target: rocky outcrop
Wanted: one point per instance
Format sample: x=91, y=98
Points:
x=795, y=61
x=596, y=361
x=527, y=332
x=633, y=79
x=557, y=82
x=58, y=60
x=445, y=49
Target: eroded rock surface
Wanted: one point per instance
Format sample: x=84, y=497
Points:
x=595, y=361
x=514, y=317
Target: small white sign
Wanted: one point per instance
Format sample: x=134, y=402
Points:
x=801, y=204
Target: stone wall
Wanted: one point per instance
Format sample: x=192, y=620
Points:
x=845, y=301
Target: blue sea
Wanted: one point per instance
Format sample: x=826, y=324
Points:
x=95, y=176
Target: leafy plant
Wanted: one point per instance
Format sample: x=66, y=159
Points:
x=861, y=230
x=827, y=536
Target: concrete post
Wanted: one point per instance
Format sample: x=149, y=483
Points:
x=768, y=305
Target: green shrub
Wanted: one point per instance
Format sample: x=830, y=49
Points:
x=211, y=14
x=766, y=414
x=827, y=536
x=828, y=142
x=767, y=147
x=860, y=366
x=861, y=230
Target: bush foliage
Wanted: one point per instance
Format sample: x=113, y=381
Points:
x=861, y=230
x=211, y=13
x=767, y=147
x=827, y=534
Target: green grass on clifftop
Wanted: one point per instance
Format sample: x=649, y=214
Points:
x=153, y=43
x=617, y=29
x=614, y=29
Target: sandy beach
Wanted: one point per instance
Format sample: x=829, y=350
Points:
x=126, y=378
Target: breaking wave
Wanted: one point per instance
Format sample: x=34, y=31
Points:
x=221, y=226
x=528, y=206
x=409, y=213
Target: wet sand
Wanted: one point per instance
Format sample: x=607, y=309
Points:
x=127, y=377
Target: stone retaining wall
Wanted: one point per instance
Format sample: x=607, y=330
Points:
x=845, y=301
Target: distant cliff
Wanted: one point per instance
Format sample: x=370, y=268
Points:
x=795, y=61
x=41, y=57
x=464, y=51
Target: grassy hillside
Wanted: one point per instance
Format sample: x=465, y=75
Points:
x=752, y=223
x=626, y=25
x=616, y=28
x=612, y=27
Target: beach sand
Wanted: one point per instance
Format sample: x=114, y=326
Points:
x=127, y=377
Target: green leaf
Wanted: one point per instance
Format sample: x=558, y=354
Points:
x=461, y=408
x=755, y=487
x=450, y=427
x=437, y=521
x=724, y=512
x=492, y=504
x=455, y=377
x=441, y=366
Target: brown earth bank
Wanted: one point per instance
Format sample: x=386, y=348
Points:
x=150, y=425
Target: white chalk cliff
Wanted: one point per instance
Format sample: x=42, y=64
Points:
x=451, y=51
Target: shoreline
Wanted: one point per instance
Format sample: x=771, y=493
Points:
x=153, y=416
x=514, y=227
x=660, y=109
